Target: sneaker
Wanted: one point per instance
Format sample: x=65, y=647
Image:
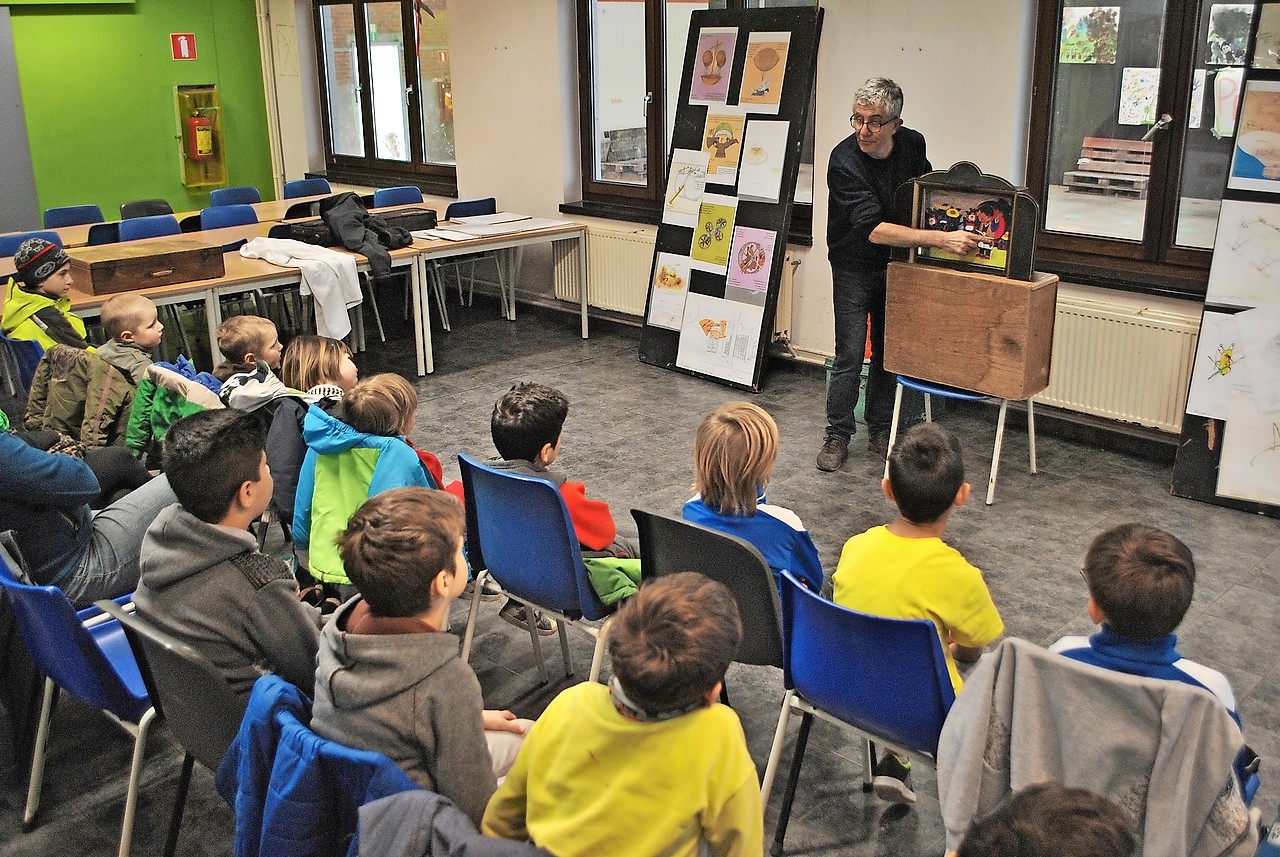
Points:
x=490, y=591
x=833, y=453
x=514, y=613
x=892, y=779
x=879, y=444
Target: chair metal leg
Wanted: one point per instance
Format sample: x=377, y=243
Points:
x=135, y=774
x=1031, y=432
x=995, y=453
x=868, y=764
x=469, y=633
x=531, y=622
x=602, y=642
x=10, y=371
x=928, y=408
x=775, y=752
x=179, y=804
x=37, y=757
x=377, y=316
x=437, y=286
x=175, y=315
x=893, y=427
x=564, y=649
x=793, y=780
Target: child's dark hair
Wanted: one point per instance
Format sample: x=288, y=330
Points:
x=672, y=641
x=396, y=544
x=1050, y=820
x=926, y=470
x=209, y=455
x=527, y=418
x=1141, y=578
x=381, y=404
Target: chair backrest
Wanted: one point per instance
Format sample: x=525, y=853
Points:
x=95, y=666
x=303, y=209
x=885, y=676
x=244, y=195
x=218, y=216
x=669, y=545
x=72, y=215
x=26, y=355
x=144, y=208
x=9, y=244
x=527, y=539
x=185, y=687
x=402, y=195
x=104, y=233
x=306, y=187
x=471, y=207
x=152, y=226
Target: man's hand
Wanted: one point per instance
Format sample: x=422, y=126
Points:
x=501, y=721
x=960, y=243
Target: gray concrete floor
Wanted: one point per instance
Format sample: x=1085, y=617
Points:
x=1109, y=216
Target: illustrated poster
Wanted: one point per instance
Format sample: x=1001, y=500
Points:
x=1228, y=35
x=764, y=71
x=713, y=65
x=1250, y=465
x=1138, y=90
x=720, y=337
x=1255, y=163
x=1259, y=341
x=763, y=153
x=670, y=286
x=1089, y=34
x=1226, y=101
x=751, y=258
x=1246, y=269
x=1218, y=373
x=990, y=217
x=714, y=233
x=1266, y=47
x=722, y=141
x=685, y=182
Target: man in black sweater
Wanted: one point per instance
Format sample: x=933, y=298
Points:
x=865, y=171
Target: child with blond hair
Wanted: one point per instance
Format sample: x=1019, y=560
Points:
x=133, y=323
x=245, y=341
x=734, y=454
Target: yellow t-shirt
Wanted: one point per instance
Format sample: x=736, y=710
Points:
x=887, y=575
x=588, y=781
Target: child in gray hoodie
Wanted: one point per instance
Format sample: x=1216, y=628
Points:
x=390, y=678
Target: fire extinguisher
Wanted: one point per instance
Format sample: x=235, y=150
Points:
x=199, y=138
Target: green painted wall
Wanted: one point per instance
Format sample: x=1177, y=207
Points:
x=98, y=90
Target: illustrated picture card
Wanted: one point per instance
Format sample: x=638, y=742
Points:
x=1245, y=270
x=1089, y=34
x=1255, y=162
x=1196, y=109
x=722, y=141
x=764, y=71
x=1266, y=47
x=763, y=152
x=1218, y=373
x=751, y=258
x=1138, y=90
x=1228, y=34
x=669, y=288
x=1259, y=344
x=714, y=233
x=719, y=337
x=988, y=215
x=685, y=182
x=1226, y=100
x=1249, y=468
x=713, y=65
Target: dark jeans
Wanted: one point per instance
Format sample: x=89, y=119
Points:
x=858, y=294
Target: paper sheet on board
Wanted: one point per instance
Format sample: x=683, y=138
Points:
x=686, y=182
x=668, y=290
x=719, y=338
x=1218, y=372
x=1250, y=465
x=1245, y=270
x=763, y=153
x=1260, y=345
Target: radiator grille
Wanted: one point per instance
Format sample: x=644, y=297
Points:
x=1121, y=361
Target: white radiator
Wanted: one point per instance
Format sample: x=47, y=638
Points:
x=1121, y=360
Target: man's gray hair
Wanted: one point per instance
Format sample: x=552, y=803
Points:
x=877, y=91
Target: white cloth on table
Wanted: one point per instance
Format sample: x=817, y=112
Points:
x=327, y=275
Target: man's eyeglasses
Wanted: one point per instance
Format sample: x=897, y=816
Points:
x=874, y=124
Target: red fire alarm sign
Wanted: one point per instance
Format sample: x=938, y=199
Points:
x=183, y=45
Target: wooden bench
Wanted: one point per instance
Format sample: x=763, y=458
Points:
x=1108, y=166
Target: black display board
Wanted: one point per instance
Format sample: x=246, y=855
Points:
x=731, y=175
x=1229, y=453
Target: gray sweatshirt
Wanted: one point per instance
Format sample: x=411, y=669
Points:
x=410, y=697
x=209, y=586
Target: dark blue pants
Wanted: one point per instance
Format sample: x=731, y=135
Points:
x=858, y=294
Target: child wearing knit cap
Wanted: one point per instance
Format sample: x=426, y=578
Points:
x=38, y=303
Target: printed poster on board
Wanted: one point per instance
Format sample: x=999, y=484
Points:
x=751, y=258
x=719, y=337
x=1255, y=163
x=714, y=233
x=764, y=71
x=713, y=65
x=722, y=141
x=670, y=286
x=763, y=154
x=685, y=182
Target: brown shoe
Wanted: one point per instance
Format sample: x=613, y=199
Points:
x=879, y=444
x=833, y=453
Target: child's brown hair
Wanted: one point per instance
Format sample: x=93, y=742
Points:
x=672, y=641
x=1141, y=578
x=1050, y=820
x=126, y=311
x=526, y=418
x=734, y=453
x=312, y=360
x=241, y=335
x=381, y=404
x=396, y=544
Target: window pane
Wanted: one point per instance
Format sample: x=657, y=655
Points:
x=435, y=85
x=619, y=135
x=677, y=14
x=1106, y=81
x=1218, y=57
x=386, y=76
x=342, y=81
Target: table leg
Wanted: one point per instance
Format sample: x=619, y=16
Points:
x=213, y=319
x=421, y=316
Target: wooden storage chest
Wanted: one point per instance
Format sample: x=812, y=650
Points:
x=975, y=331
x=110, y=268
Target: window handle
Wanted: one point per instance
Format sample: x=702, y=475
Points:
x=1164, y=122
x=648, y=99
x=408, y=90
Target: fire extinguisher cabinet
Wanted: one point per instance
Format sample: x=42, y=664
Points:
x=202, y=155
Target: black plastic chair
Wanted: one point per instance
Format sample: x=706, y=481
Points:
x=189, y=693
x=144, y=208
x=104, y=233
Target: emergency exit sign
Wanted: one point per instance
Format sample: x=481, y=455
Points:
x=183, y=45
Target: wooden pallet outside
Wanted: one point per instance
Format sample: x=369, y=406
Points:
x=1106, y=183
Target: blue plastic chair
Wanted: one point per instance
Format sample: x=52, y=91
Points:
x=72, y=215
x=246, y=195
x=306, y=187
x=474, y=208
x=529, y=547
x=92, y=661
x=886, y=679
x=401, y=195
x=9, y=244
x=931, y=389
x=153, y=226
x=218, y=216
x=18, y=361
